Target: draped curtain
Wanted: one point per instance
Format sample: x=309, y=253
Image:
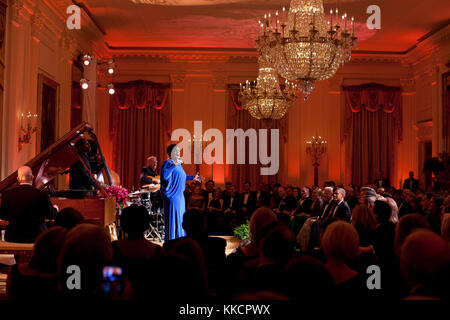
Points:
x=373, y=129
x=237, y=117
x=140, y=126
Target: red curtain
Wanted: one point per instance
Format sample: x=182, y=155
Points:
x=140, y=126
x=240, y=118
x=373, y=128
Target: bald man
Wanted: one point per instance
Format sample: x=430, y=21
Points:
x=26, y=209
x=149, y=171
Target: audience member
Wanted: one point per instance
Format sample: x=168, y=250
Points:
x=37, y=280
x=425, y=265
x=68, y=218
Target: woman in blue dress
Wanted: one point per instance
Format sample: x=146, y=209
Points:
x=173, y=182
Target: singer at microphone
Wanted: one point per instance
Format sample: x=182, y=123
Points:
x=173, y=183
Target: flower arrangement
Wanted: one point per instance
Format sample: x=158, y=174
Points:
x=118, y=192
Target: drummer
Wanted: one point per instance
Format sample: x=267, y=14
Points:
x=148, y=173
x=149, y=176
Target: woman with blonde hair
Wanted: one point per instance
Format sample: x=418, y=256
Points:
x=340, y=244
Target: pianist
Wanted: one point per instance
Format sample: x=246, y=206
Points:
x=148, y=173
x=80, y=177
x=25, y=208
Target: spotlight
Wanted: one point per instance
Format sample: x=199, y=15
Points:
x=86, y=59
x=111, y=66
x=111, y=88
x=84, y=84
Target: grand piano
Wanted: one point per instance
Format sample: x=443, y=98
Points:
x=56, y=160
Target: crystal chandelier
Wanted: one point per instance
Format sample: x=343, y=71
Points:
x=263, y=98
x=304, y=48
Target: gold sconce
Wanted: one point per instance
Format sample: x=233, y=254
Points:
x=28, y=126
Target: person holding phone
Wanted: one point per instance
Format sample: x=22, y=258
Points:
x=173, y=183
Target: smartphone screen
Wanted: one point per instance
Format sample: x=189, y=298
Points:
x=112, y=279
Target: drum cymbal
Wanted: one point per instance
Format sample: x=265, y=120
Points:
x=137, y=193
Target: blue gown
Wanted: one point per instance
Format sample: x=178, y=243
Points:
x=173, y=183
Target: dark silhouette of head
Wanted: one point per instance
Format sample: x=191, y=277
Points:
x=46, y=250
x=135, y=220
x=279, y=244
x=68, y=218
x=382, y=211
x=194, y=223
x=406, y=225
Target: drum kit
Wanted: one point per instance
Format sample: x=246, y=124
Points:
x=146, y=197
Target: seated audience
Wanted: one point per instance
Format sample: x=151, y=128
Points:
x=327, y=197
x=286, y=205
x=305, y=202
x=341, y=210
x=247, y=201
x=37, y=280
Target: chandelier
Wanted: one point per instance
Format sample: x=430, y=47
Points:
x=263, y=98
x=305, y=48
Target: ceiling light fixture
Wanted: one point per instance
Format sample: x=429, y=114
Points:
x=304, y=47
x=263, y=98
x=111, y=88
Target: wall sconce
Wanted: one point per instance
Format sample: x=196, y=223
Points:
x=26, y=132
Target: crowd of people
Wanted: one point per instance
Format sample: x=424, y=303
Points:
x=304, y=243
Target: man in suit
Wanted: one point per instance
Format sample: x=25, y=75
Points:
x=411, y=183
x=327, y=197
x=341, y=209
x=25, y=208
x=208, y=193
x=262, y=195
x=231, y=204
x=80, y=178
x=148, y=173
x=286, y=206
x=304, y=205
x=247, y=201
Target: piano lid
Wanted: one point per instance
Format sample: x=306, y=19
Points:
x=54, y=160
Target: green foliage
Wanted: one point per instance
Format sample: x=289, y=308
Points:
x=242, y=232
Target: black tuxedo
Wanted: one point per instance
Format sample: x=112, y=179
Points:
x=80, y=179
x=232, y=205
x=304, y=205
x=342, y=211
x=413, y=187
x=263, y=200
x=145, y=173
x=326, y=208
x=26, y=208
x=251, y=201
